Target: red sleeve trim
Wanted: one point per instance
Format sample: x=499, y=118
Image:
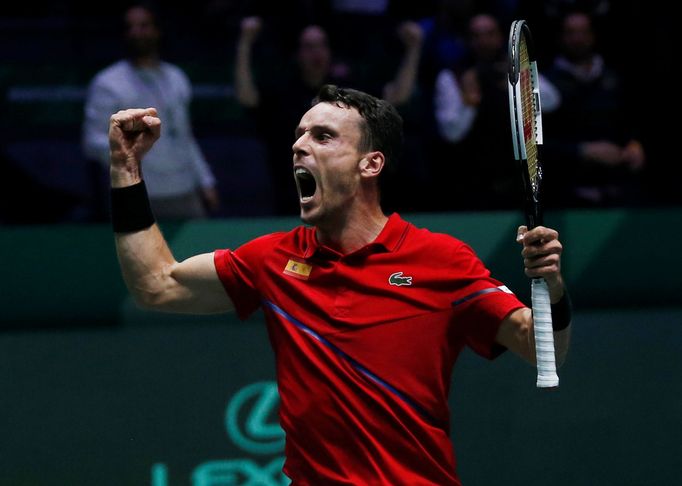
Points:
x=244, y=298
x=485, y=314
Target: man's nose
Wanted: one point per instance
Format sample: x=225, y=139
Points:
x=300, y=145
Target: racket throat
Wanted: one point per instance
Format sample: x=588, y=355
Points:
x=533, y=212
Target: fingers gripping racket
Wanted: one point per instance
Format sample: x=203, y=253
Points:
x=526, y=128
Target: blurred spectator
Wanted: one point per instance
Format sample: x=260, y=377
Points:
x=545, y=17
x=445, y=41
x=280, y=103
x=472, y=115
x=591, y=139
x=179, y=180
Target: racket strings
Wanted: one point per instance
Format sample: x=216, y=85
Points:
x=528, y=108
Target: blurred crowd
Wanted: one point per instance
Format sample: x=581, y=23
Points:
x=232, y=78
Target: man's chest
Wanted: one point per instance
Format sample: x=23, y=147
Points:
x=358, y=291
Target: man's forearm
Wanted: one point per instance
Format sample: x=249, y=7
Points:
x=245, y=87
x=561, y=322
x=142, y=251
x=146, y=262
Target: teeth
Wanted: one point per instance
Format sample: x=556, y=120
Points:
x=301, y=170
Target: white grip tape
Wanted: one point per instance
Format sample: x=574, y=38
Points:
x=544, y=334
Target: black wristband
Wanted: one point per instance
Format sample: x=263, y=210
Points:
x=130, y=209
x=561, y=313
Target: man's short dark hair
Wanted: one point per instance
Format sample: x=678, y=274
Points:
x=382, y=129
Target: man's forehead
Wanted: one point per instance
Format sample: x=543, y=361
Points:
x=330, y=114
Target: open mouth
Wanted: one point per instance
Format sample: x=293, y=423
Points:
x=306, y=184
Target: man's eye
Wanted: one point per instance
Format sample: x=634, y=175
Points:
x=324, y=136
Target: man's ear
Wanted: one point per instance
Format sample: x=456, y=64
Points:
x=372, y=164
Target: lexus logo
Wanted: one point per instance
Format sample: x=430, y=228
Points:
x=251, y=419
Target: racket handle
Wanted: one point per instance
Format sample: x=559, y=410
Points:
x=544, y=335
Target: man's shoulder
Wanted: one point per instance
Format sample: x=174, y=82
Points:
x=112, y=69
x=441, y=255
x=423, y=236
x=174, y=70
x=429, y=245
x=293, y=239
x=111, y=74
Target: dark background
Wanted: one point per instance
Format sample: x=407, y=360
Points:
x=49, y=51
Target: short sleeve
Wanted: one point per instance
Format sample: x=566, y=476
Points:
x=485, y=315
x=240, y=272
x=234, y=275
x=481, y=304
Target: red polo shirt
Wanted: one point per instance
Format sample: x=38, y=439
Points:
x=365, y=344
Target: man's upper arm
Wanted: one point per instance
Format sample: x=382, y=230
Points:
x=196, y=287
x=516, y=333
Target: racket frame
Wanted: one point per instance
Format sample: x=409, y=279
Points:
x=542, y=317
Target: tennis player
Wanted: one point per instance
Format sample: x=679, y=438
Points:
x=366, y=312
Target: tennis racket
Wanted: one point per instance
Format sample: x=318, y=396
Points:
x=526, y=128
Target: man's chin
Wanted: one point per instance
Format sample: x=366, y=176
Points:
x=309, y=215
x=307, y=218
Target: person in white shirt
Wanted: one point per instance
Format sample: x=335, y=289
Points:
x=471, y=110
x=179, y=180
x=457, y=102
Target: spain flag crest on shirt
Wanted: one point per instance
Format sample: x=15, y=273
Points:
x=298, y=269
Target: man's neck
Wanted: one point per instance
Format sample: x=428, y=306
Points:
x=585, y=68
x=353, y=231
x=145, y=61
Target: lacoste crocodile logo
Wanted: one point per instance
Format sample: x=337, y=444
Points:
x=398, y=279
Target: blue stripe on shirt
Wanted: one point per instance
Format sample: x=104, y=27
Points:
x=476, y=294
x=376, y=379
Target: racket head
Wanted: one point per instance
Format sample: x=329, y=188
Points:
x=526, y=115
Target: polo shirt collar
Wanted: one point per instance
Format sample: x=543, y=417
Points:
x=388, y=240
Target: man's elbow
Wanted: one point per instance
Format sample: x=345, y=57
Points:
x=148, y=300
x=156, y=299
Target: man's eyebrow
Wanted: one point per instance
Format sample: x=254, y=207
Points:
x=315, y=128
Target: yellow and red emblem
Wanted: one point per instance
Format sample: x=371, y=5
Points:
x=298, y=269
